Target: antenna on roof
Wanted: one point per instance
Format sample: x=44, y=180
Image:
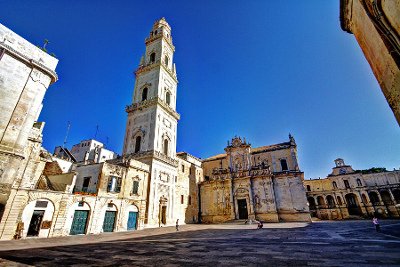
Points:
x=97, y=130
x=66, y=135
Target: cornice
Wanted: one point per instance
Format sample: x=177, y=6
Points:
x=156, y=155
x=155, y=37
x=151, y=102
x=30, y=62
x=151, y=66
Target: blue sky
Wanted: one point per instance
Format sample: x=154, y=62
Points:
x=258, y=69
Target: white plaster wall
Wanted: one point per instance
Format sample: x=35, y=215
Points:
x=28, y=212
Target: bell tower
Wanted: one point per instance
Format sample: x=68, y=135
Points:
x=152, y=116
x=151, y=128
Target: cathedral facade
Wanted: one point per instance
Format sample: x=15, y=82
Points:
x=263, y=183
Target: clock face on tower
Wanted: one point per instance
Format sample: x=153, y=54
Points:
x=342, y=171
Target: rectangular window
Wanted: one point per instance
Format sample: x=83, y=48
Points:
x=284, y=165
x=41, y=204
x=189, y=200
x=190, y=171
x=183, y=168
x=135, y=188
x=346, y=183
x=182, y=199
x=114, y=184
x=86, y=182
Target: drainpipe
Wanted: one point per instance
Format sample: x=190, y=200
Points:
x=199, y=203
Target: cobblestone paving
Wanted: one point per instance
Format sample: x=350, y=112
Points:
x=345, y=243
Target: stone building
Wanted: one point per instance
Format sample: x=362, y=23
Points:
x=92, y=190
x=25, y=74
x=263, y=183
x=376, y=27
x=151, y=132
x=347, y=193
x=87, y=151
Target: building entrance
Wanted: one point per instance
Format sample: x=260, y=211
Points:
x=109, y=221
x=36, y=221
x=79, y=223
x=242, y=207
x=164, y=214
x=132, y=220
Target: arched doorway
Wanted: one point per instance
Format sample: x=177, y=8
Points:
x=339, y=200
x=396, y=194
x=311, y=203
x=387, y=200
x=352, y=204
x=80, y=212
x=373, y=197
x=110, y=217
x=321, y=202
x=133, y=213
x=37, y=218
x=312, y=206
x=331, y=201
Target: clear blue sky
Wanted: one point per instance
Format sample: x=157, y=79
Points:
x=258, y=69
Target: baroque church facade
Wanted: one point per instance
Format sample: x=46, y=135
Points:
x=90, y=190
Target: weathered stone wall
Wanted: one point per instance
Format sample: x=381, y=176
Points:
x=371, y=193
x=375, y=25
x=25, y=74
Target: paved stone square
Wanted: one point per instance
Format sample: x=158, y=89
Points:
x=324, y=243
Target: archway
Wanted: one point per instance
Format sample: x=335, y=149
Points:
x=331, y=201
x=387, y=200
x=373, y=197
x=80, y=214
x=110, y=217
x=396, y=194
x=339, y=200
x=132, y=215
x=37, y=218
x=352, y=204
x=320, y=201
x=311, y=203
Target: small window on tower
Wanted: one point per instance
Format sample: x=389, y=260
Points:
x=137, y=143
x=165, y=147
x=152, y=57
x=168, y=98
x=166, y=61
x=284, y=165
x=144, y=94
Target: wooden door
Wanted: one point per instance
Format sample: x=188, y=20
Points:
x=79, y=223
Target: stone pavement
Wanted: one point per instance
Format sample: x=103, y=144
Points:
x=325, y=243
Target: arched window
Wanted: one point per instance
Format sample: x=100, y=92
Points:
x=144, y=94
x=373, y=197
x=152, y=57
x=168, y=98
x=359, y=182
x=334, y=184
x=364, y=198
x=311, y=202
x=166, y=60
x=339, y=200
x=284, y=165
x=165, y=147
x=320, y=201
x=138, y=141
x=331, y=201
x=308, y=188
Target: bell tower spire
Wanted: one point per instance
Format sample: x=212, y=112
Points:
x=151, y=128
x=152, y=116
